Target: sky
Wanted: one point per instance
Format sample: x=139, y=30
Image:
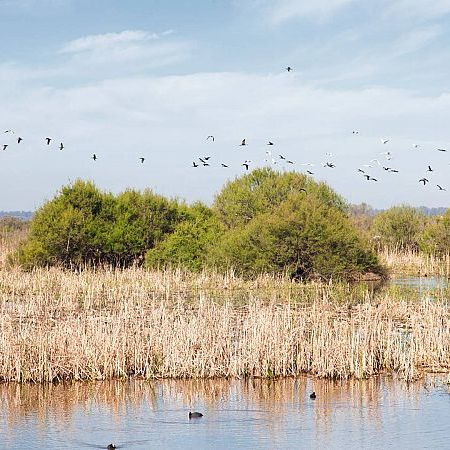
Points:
x=154, y=78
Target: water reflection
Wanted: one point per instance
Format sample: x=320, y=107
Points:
x=237, y=414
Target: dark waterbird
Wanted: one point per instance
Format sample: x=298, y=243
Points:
x=424, y=181
x=195, y=415
x=142, y=160
x=312, y=396
x=243, y=142
x=19, y=140
x=194, y=164
x=5, y=146
x=48, y=140
x=289, y=69
x=94, y=157
x=429, y=169
x=441, y=188
x=211, y=137
x=61, y=146
x=111, y=447
x=224, y=165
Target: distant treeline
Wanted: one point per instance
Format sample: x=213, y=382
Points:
x=23, y=215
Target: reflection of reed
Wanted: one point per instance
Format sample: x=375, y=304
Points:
x=269, y=401
x=57, y=325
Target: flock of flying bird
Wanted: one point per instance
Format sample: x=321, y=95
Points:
x=205, y=161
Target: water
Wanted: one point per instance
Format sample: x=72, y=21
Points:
x=375, y=413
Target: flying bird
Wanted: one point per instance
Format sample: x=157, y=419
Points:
x=94, y=157
x=289, y=69
x=61, y=146
x=289, y=161
x=224, y=165
x=270, y=143
x=211, y=137
x=282, y=157
x=309, y=172
x=441, y=149
x=5, y=146
x=424, y=181
x=48, y=140
x=369, y=178
x=142, y=160
x=384, y=141
x=246, y=164
x=329, y=164
x=362, y=171
x=194, y=164
x=429, y=169
x=441, y=188
x=243, y=142
x=355, y=132
x=9, y=131
x=19, y=140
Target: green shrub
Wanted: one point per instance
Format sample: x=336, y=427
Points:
x=399, y=227
x=305, y=235
x=435, y=239
x=189, y=244
x=84, y=225
x=262, y=191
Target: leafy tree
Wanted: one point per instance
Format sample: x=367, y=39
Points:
x=190, y=241
x=435, y=239
x=303, y=235
x=263, y=190
x=400, y=227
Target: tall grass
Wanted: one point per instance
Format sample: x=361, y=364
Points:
x=412, y=262
x=94, y=325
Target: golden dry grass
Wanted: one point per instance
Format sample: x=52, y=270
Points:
x=410, y=262
x=104, y=324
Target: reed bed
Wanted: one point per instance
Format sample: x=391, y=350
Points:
x=411, y=262
x=104, y=324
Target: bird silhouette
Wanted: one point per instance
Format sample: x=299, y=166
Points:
x=9, y=131
x=246, y=164
x=224, y=165
x=309, y=172
x=441, y=188
x=111, y=447
x=211, y=137
x=270, y=143
x=19, y=140
x=48, y=140
x=313, y=396
x=243, y=142
x=289, y=161
x=94, y=157
x=195, y=415
x=384, y=141
x=142, y=160
x=429, y=169
x=282, y=157
x=329, y=164
x=355, y=132
x=61, y=146
x=441, y=149
x=369, y=178
x=194, y=164
x=289, y=69
x=424, y=181
x=362, y=171
x=5, y=146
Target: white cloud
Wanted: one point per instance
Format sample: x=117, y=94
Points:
x=283, y=10
x=424, y=9
x=129, y=50
x=97, y=42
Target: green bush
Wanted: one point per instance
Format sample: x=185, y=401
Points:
x=306, y=234
x=399, y=227
x=262, y=191
x=435, y=239
x=84, y=225
x=189, y=244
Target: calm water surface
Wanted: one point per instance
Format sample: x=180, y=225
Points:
x=375, y=413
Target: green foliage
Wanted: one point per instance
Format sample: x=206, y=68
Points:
x=435, y=239
x=84, y=225
x=400, y=227
x=262, y=191
x=304, y=234
x=189, y=244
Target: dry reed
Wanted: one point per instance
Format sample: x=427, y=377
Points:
x=94, y=325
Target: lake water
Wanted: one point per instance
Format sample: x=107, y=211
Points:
x=257, y=414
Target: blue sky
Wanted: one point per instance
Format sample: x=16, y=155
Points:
x=154, y=78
